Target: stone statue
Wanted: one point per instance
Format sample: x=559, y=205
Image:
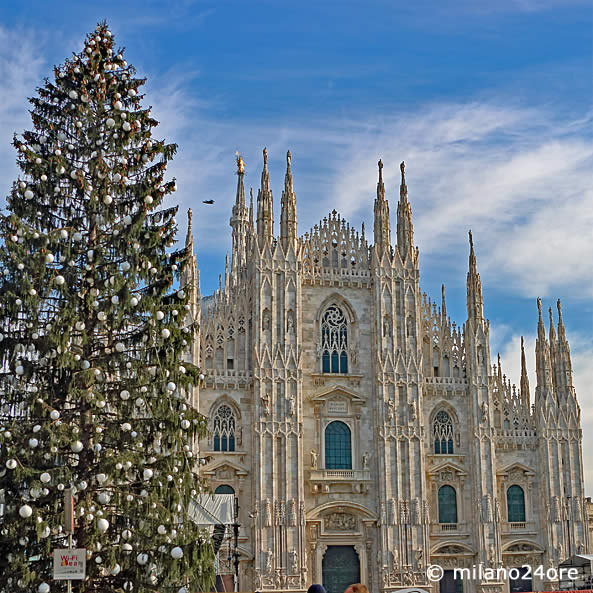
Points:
x=484, y=411
x=395, y=559
x=269, y=561
x=313, y=459
x=413, y=413
x=391, y=410
x=365, y=460
x=292, y=405
x=265, y=399
x=418, y=555
x=294, y=561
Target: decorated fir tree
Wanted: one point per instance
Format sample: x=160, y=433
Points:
x=94, y=325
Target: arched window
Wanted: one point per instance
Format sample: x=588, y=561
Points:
x=334, y=341
x=223, y=429
x=516, y=504
x=224, y=489
x=338, y=450
x=447, y=504
x=442, y=430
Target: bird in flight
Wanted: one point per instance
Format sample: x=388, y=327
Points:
x=208, y=201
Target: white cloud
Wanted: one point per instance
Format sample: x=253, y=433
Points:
x=22, y=65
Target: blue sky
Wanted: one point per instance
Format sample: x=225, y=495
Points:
x=490, y=107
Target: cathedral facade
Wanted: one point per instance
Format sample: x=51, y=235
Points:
x=366, y=435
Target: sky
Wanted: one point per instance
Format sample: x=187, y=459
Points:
x=488, y=103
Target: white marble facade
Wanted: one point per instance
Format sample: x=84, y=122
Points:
x=401, y=375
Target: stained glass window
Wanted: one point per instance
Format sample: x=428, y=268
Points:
x=223, y=429
x=516, y=504
x=442, y=430
x=334, y=341
x=447, y=505
x=338, y=450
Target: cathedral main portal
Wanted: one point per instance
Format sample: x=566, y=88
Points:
x=341, y=567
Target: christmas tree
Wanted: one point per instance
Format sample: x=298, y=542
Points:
x=94, y=309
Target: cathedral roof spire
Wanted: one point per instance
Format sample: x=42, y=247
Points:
x=288, y=215
x=524, y=385
x=265, y=206
x=543, y=365
x=239, y=223
x=382, y=231
x=561, y=330
x=251, y=225
x=189, y=237
x=475, y=304
x=443, y=304
x=405, y=229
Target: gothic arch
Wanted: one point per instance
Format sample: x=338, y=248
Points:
x=337, y=299
x=533, y=547
x=359, y=509
x=225, y=400
x=441, y=548
x=342, y=359
x=447, y=407
x=229, y=401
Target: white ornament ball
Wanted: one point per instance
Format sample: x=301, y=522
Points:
x=20, y=369
x=33, y=443
x=125, y=394
x=118, y=105
x=25, y=511
x=148, y=200
x=165, y=333
x=126, y=426
x=11, y=464
x=115, y=570
x=185, y=424
x=171, y=386
x=126, y=126
x=73, y=94
x=45, y=477
x=115, y=299
x=110, y=122
x=161, y=529
x=101, y=316
x=77, y=446
x=125, y=267
x=120, y=347
x=107, y=200
x=177, y=553
x=43, y=588
x=181, y=294
x=133, y=301
x=54, y=415
x=126, y=534
x=103, y=525
x=101, y=478
x=142, y=559
x=60, y=280
x=147, y=474
x=49, y=258
x=28, y=194
x=131, y=93
x=160, y=315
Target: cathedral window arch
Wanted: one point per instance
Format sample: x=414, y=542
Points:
x=447, y=504
x=516, y=504
x=334, y=340
x=225, y=428
x=224, y=489
x=338, y=446
x=442, y=433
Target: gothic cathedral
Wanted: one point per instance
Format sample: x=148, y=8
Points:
x=365, y=434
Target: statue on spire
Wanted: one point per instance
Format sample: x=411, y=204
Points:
x=240, y=164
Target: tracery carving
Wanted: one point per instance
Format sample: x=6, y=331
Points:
x=340, y=522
